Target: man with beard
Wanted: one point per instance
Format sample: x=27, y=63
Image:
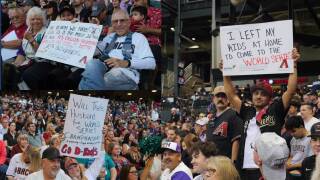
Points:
x=266, y=115
x=226, y=127
x=175, y=168
x=50, y=167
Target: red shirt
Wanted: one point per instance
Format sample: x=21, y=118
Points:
x=154, y=21
x=3, y=153
x=19, y=30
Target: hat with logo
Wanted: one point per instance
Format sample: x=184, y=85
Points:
x=51, y=153
x=202, y=121
x=315, y=130
x=266, y=87
x=273, y=152
x=171, y=145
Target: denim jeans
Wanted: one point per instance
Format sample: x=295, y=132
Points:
x=96, y=77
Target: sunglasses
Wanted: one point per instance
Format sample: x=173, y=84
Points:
x=221, y=95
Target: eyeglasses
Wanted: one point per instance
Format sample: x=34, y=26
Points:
x=116, y=21
x=14, y=17
x=221, y=95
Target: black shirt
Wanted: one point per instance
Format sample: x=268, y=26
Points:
x=224, y=130
x=11, y=140
x=271, y=121
x=308, y=164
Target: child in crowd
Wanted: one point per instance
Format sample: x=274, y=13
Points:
x=300, y=146
x=138, y=17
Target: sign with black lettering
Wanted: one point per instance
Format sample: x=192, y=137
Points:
x=83, y=126
x=263, y=48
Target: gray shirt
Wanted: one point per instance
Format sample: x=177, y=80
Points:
x=300, y=149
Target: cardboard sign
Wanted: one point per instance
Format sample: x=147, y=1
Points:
x=83, y=126
x=69, y=43
x=263, y=48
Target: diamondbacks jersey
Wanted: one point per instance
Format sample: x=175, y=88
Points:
x=142, y=57
x=17, y=168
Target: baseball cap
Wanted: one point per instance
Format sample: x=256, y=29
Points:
x=51, y=4
x=274, y=152
x=67, y=7
x=27, y=3
x=315, y=130
x=202, y=121
x=171, y=145
x=266, y=87
x=97, y=8
x=51, y=153
x=218, y=89
x=69, y=162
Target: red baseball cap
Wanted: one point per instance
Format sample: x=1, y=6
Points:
x=266, y=87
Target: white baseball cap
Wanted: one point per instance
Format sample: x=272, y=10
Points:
x=171, y=145
x=202, y=121
x=273, y=152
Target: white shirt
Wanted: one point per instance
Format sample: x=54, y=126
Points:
x=94, y=170
x=311, y=122
x=39, y=176
x=167, y=175
x=253, y=132
x=142, y=57
x=17, y=168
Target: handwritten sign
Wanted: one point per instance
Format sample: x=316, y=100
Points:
x=83, y=126
x=263, y=48
x=69, y=43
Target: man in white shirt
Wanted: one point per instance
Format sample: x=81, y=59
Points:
x=50, y=167
x=306, y=111
x=175, y=168
x=123, y=54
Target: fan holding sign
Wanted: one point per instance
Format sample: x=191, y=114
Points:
x=258, y=49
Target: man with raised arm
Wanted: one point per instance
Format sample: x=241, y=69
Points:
x=265, y=115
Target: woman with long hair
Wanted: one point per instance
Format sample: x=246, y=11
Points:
x=220, y=168
x=10, y=138
x=115, y=151
x=23, y=164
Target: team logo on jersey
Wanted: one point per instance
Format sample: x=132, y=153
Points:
x=267, y=120
x=221, y=130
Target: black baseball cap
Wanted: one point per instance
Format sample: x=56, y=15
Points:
x=51, y=153
x=51, y=4
x=97, y=9
x=315, y=130
x=68, y=8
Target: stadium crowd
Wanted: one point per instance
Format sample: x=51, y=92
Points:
x=132, y=22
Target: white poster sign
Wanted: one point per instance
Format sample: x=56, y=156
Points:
x=263, y=48
x=9, y=53
x=83, y=126
x=70, y=43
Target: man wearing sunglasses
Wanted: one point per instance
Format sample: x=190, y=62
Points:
x=225, y=128
x=122, y=55
x=308, y=164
